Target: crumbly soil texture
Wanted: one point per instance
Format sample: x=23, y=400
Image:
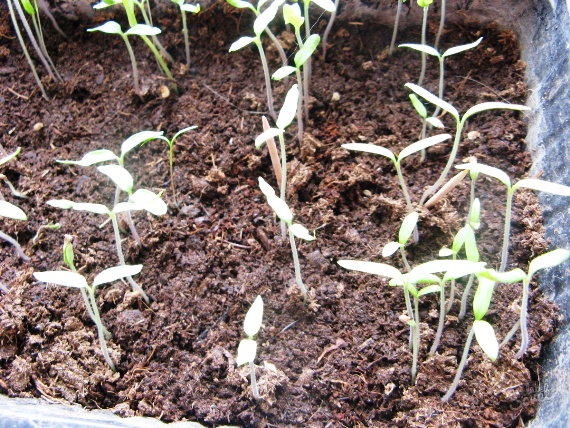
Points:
x=341, y=360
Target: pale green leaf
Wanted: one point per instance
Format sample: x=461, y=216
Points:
x=280, y=208
x=422, y=144
x=253, y=318
x=247, y=351
x=149, y=201
x=471, y=251
x=380, y=269
x=327, y=5
x=292, y=15
x=115, y=273
x=138, y=139
x=60, y=203
x=492, y=106
x=407, y=228
x=307, y=50
x=28, y=7
x=548, y=260
x=390, y=248
x=91, y=158
x=122, y=207
x=9, y=210
x=92, y=208
x=190, y=8
x=370, y=148
x=435, y=122
x=428, y=96
x=491, y=171
x=109, y=27
x=485, y=335
x=421, y=48
x=270, y=133
x=119, y=175
x=418, y=105
x=446, y=252
x=429, y=289
x=510, y=277
x=459, y=240
x=10, y=157
x=240, y=4
x=289, y=109
x=419, y=277
x=543, y=186
x=482, y=298
x=412, y=289
x=263, y=20
x=459, y=268
x=457, y=49
x=475, y=214
x=283, y=72
x=142, y=30
x=301, y=232
x=64, y=278
x=266, y=189
x=183, y=131
x=240, y=43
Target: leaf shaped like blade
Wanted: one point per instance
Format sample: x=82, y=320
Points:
x=119, y=175
x=292, y=15
x=307, y=50
x=92, y=208
x=10, y=157
x=510, y=277
x=115, y=273
x=122, y=207
x=289, y=109
x=471, y=251
x=429, y=289
x=446, y=252
x=407, y=228
x=64, y=204
x=240, y=4
x=253, y=318
x=421, y=48
x=283, y=72
x=548, y=260
x=327, y=5
x=149, y=201
x=457, y=49
x=270, y=133
x=428, y=96
x=482, y=298
x=492, y=106
x=9, y=210
x=64, y=278
x=485, y=335
x=241, y=43
x=370, y=148
x=190, y=8
x=280, y=208
x=435, y=122
x=475, y=214
x=422, y=144
x=142, y=30
x=543, y=186
x=266, y=189
x=461, y=268
x=109, y=27
x=380, y=269
x=491, y=171
x=91, y=158
x=263, y=20
x=301, y=232
x=247, y=351
x=138, y=139
x=390, y=248
x=418, y=105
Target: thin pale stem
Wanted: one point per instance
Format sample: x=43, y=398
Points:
x=465, y=296
x=328, y=29
x=416, y=342
x=283, y=188
x=511, y=333
x=451, y=296
x=273, y=154
x=460, y=368
x=523, y=323
x=307, y=67
x=147, y=17
x=441, y=24
x=134, y=65
x=24, y=49
x=405, y=259
x=19, y=252
x=424, y=55
x=300, y=120
x=38, y=28
x=171, y=165
x=439, y=332
x=186, y=41
x=278, y=46
x=396, y=23
x=254, y=390
x=297, y=266
x=507, y=232
x=441, y=84
x=410, y=313
x=268, y=88
x=404, y=187
x=100, y=330
x=424, y=130
x=160, y=60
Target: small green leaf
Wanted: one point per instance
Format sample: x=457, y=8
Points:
x=64, y=278
x=92, y=208
x=428, y=96
x=289, y=109
x=412, y=290
x=266, y=189
x=407, y=228
x=91, y=158
x=283, y=72
x=307, y=50
x=327, y=5
x=292, y=15
x=422, y=144
x=471, y=251
x=458, y=49
x=390, y=248
x=547, y=260
x=253, y=318
x=380, y=269
x=109, y=27
x=492, y=106
x=9, y=210
x=510, y=277
x=247, y=351
x=482, y=298
x=142, y=30
x=459, y=240
x=10, y=157
x=270, y=133
x=106, y=3
x=301, y=232
x=429, y=289
x=435, y=122
x=115, y=273
x=28, y=7
x=119, y=175
x=370, y=148
x=190, y=8
x=60, y=203
x=240, y=4
x=68, y=254
x=183, y=131
x=418, y=105
x=138, y=139
x=421, y=48
x=485, y=335
x=488, y=170
x=423, y=278
x=543, y=186
x=122, y=207
x=475, y=214
x=240, y=43
x=460, y=268
x=149, y=201
x=280, y=208
x=263, y=20
x=446, y=252
x=424, y=3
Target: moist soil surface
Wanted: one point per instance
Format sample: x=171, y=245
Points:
x=341, y=360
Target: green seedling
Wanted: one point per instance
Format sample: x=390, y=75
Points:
x=184, y=9
x=411, y=149
x=483, y=331
x=406, y=230
x=424, y=4
x=241, y=4
x=247, y=349
x=545, y=261
x=76, y=280
x=142, y=199
x=112, y=27
x=527, y=183
x=259, y=26
x=460, y=121
x=396, y=23
x=295, y=229
x=286, y=116
x=49, y=226
x=329, y=28
x=11, y=211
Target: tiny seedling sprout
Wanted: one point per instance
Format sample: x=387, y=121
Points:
x=247, y=349
x=406, y=230
x=186, y=8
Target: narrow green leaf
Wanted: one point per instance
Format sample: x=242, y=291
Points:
x=270, y=133
x=9, y=210
x=421, y=48
x=240, y=43
x=253, y=318
x=429, y=289
x=460, y=268
x=407, y=228
x=418, y=105
x=471, y=251
x=492, y=106
x=510, y=277
x=547, y=260
x=370, y=148
x=190, y=8
x=142, y=30
x=138, y=139
x=301, y=232
x=423, y=278
x=149, y=201
x=380, y=269
x=543, y=186
x=327, y=5
x=289, y=109
x=390, y=248
x=475, y=214
x=491, y=171
x=482, y=298
x=435, y=122
x=422, y=144
x=109, y=27
x=122, y=207
x=446, y=252
x=280, y=208
x=266, y=189
x=292, y=15
x=485, y=336
x=183, y=131
x=283, y=72
x=60, y=203
x=307, y=50
x=263, y=20
x=28, y=7
x=119, y=175
x=240, y=4
x=457, y=49
x=428, y=96
x=413, y=290
x=92, y=208
x=115, y=273
x=10, y=157
x=64, y=278
x=91, y=158
x=247, y=351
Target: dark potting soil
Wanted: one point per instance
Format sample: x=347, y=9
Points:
x=342, y=360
